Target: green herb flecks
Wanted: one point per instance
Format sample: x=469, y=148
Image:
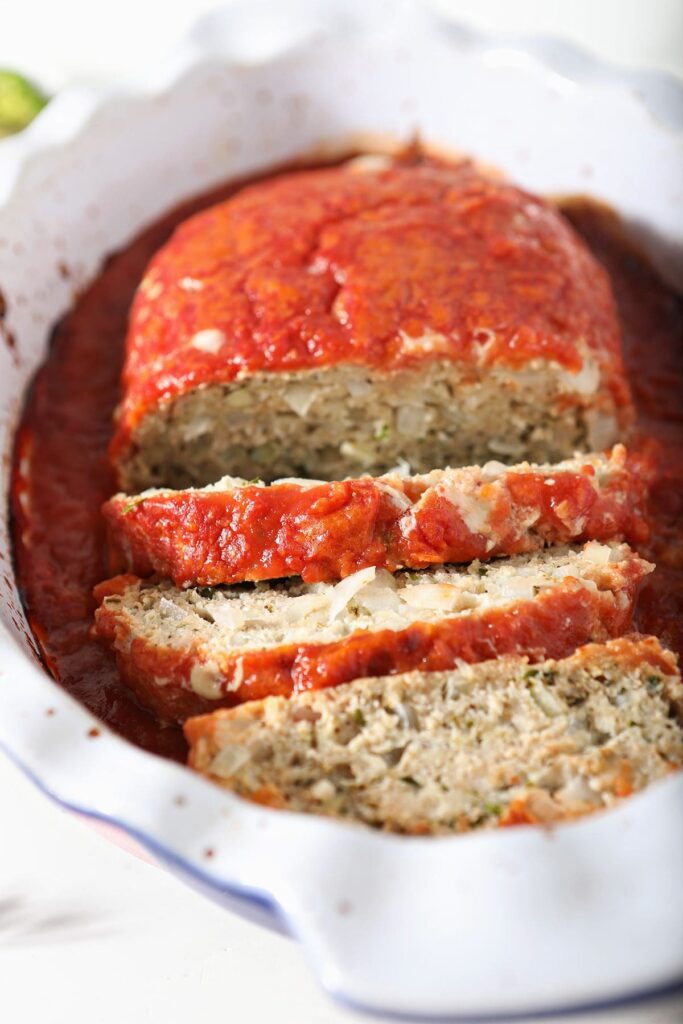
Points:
x=131, y=505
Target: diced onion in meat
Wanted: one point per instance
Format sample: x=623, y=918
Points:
x=597, y=553
x=229, y=759
x=300, y=398
x=345, y=591
x=380, y=593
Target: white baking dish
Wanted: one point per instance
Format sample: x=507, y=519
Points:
x=499, y=923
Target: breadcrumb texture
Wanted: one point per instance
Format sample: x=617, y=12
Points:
x=500, y=743
x=184, y=651
x=327, y=322
x=237, y=530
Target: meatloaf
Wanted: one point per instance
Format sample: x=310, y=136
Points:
x=235, y=530
x=325, y=323
x=499, y=743
x=184, y=651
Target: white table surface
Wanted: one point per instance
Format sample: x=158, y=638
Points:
x=87, y=932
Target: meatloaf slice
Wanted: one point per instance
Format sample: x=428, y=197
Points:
x=184, y=652
x=503, y=742
x=236, y=530
x=326, y=322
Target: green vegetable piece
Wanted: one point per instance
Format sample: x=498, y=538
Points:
x=654, y=684
x=131, y=505
x=359, y=717
x=483, y=570
x=265, y=453
x=410, y=781
x=20, y=101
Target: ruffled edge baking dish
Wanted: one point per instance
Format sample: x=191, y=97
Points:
x=516, y=922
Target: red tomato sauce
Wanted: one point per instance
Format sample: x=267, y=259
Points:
x=331, y=266
x=328, y=531
x=652, y=324
x=62, y=471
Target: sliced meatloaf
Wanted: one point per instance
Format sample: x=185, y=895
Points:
x=503, y=742
x=236, y=530
x=186, y=651
x=326, y=322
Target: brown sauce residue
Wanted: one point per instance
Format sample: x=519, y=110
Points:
x=61, y=473
x=652, y=324
x=5, y=332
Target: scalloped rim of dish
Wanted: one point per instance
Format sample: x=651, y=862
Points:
x=71, y=110
x=222, y=844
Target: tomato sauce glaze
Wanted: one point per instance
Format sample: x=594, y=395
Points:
x=331, y=266
x=62, y=475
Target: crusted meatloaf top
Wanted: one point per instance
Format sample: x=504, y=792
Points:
x=379, y=267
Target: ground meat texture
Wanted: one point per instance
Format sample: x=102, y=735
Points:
x=236, y=530
x=499, y=743
x=327, y=322
x=186, y=651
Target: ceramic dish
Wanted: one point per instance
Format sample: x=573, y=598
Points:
x=485, y=924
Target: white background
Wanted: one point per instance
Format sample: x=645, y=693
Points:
x=57, y=40
x=87, y=932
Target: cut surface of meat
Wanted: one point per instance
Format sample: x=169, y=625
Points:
x=184, y=651
x=328, y=322
x=499, y=743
